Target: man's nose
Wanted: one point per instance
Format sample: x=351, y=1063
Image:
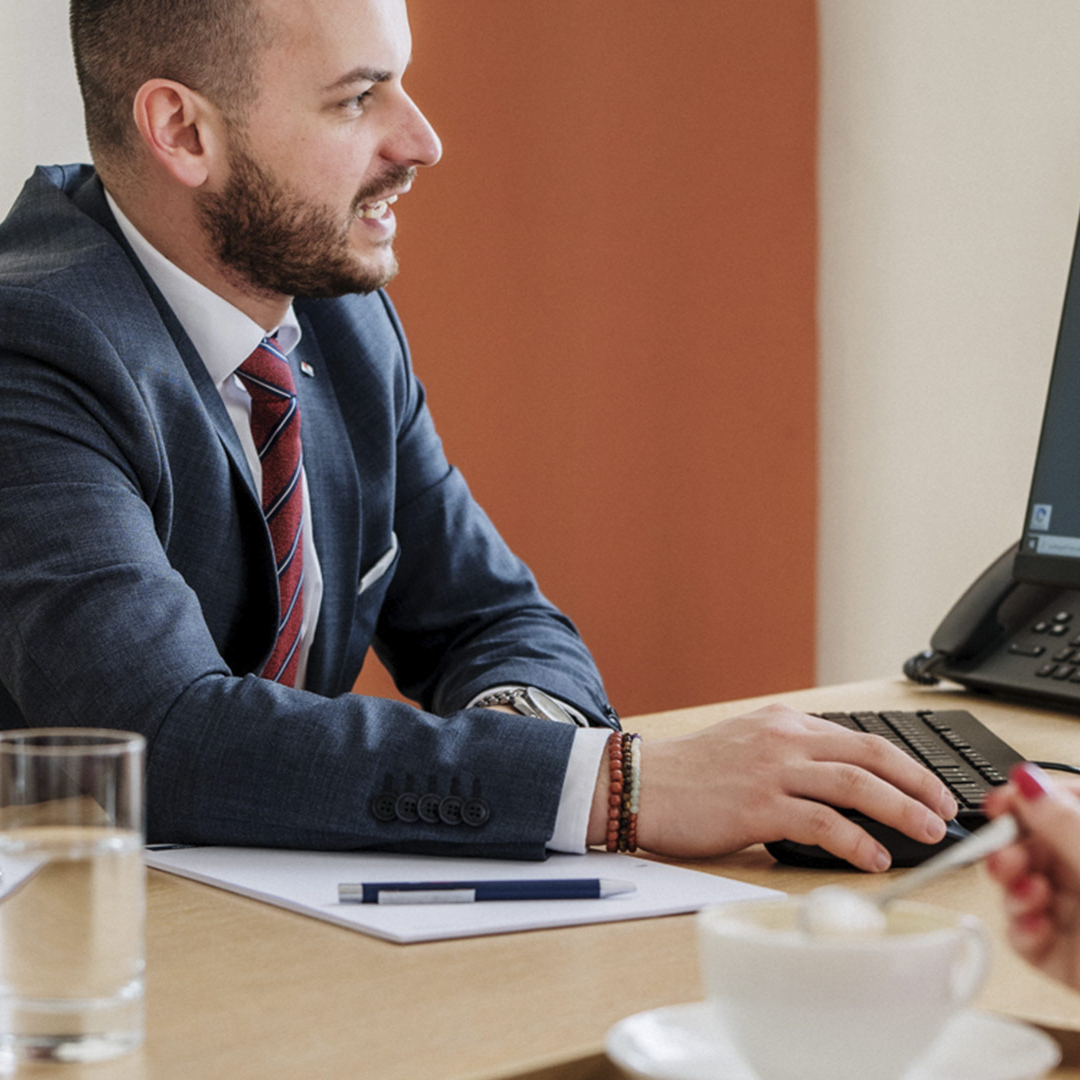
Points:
x=414, y=141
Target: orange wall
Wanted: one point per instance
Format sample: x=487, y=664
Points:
x=608, y=286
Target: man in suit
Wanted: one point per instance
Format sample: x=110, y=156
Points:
x=221, y=484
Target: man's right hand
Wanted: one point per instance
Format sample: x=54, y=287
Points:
x=776, y=774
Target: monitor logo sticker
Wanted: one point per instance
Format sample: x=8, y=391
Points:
x=1040, y=516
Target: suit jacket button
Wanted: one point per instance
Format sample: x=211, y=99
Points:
x=382, y=807
x=450, y=810
x=428, y=808
x=475, y=812
x=405, y=806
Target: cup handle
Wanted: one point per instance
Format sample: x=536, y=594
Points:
x=970, y=973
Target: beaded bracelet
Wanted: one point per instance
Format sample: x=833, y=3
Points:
x=624, y=794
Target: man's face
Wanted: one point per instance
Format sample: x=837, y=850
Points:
x=306, y=208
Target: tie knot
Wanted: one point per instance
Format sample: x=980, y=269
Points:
x=266, y=371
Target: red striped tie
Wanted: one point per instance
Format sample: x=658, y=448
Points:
x=275, y=427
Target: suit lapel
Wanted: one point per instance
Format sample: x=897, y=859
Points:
x=90, y=198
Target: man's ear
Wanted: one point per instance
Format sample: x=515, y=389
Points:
x=180, y=128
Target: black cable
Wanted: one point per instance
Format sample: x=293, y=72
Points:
x=1056, y=765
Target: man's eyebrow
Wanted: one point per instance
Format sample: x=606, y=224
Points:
x=358, y=75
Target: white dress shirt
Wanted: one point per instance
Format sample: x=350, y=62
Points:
x=224, y=338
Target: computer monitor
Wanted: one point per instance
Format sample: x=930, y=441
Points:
x=1049, y=551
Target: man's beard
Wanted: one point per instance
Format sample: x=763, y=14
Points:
x=271, y=241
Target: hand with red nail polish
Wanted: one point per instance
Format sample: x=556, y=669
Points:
x=1040, y=873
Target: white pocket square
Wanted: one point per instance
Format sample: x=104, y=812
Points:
x=383, y=564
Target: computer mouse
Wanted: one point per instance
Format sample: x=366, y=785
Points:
x=904, y=850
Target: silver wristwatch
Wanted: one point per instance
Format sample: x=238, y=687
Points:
x=529, y=701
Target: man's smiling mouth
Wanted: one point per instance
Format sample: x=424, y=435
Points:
x=376, y=210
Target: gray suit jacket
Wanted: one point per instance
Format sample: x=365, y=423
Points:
x=136, y=579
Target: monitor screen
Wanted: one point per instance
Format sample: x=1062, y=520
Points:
x=1049, y=552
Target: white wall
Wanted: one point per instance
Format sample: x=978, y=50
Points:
x=950, y=186
x=41, y=118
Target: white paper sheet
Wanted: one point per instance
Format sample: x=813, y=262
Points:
x=307, y=882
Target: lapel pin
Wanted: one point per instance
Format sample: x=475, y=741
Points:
x=307, y=369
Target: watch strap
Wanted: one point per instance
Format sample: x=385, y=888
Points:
x=531, y=701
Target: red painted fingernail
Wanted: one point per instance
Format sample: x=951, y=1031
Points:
x=1031, y=781
x=1021, y=887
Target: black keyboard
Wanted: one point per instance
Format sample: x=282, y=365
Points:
x=968, y=757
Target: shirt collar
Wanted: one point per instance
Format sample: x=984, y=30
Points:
x=222, y=334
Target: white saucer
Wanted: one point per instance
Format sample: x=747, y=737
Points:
x=679, y=1042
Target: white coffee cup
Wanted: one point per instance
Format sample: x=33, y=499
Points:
x=798, y=1006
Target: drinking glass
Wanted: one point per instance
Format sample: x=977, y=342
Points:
x=73, y=894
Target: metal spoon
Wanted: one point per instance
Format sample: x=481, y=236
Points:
x=833, y=909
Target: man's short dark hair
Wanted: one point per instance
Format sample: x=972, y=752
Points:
x=211, y=46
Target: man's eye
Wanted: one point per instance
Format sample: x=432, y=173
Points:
x=358, y=102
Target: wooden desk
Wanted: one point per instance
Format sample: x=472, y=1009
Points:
x=239, y=990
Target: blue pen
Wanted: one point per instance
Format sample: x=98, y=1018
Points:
x=469, y=892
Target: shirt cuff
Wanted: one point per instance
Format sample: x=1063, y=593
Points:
x=579, y=786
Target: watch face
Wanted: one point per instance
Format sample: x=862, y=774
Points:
x=547, y=706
